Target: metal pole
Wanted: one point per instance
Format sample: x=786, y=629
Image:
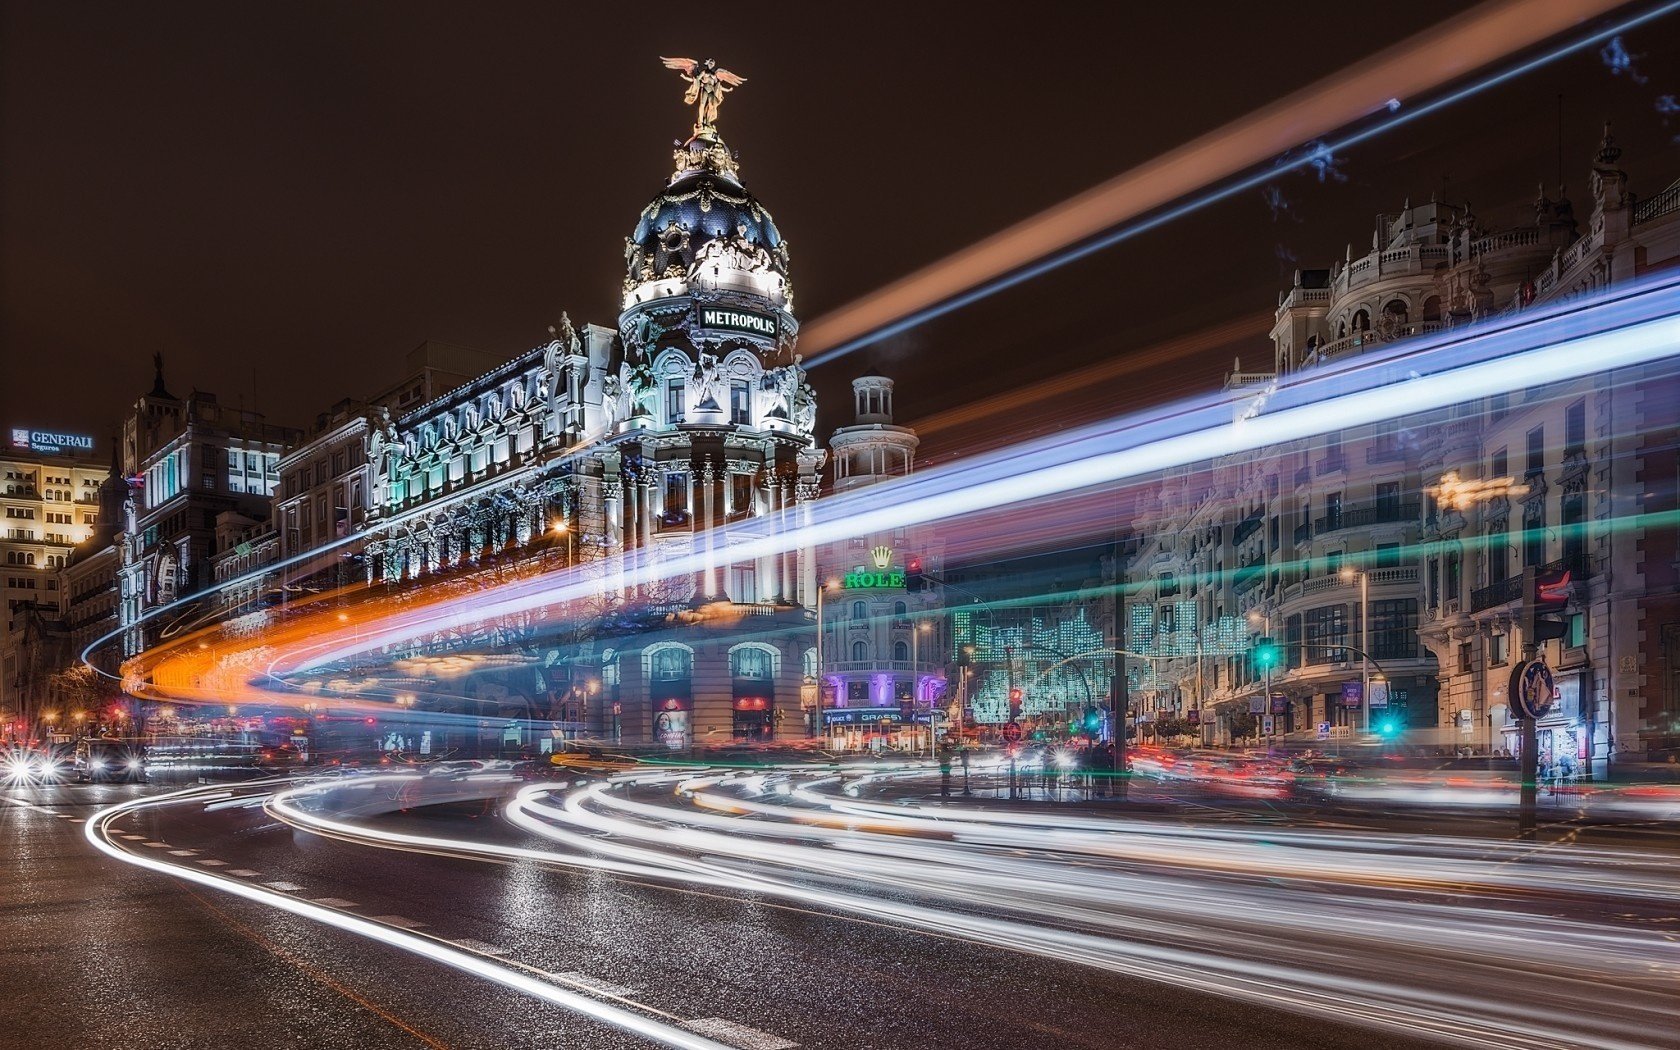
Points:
x=1365, y=649
x=816, y=721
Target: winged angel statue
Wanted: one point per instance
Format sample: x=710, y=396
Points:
x=707, y=84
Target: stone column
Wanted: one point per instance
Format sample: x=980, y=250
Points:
x=708, y=482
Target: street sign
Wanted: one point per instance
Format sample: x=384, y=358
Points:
x=1532, y=689
x=1379, y=693
x=1324, y=730
x=1256, y=705
x=1353, y=694
x=1011, y=731
x=1267, y=724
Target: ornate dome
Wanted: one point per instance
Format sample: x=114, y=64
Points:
x=703, y=203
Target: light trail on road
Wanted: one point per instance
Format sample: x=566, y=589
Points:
x=1415, y=934
x=99, y=834
x=1034, y=481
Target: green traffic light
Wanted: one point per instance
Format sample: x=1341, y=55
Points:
x=1267, y=653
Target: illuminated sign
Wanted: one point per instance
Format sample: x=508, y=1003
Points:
x=730, y=319
x=48, y=441
x=882, y=557
x=864, y=579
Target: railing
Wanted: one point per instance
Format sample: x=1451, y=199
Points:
x=1303, y=533
x=1242, y=379
x=1663, y=203
x=1332, y=464
x=1247, y=527
x=1385, y=452
x=1508, y=239
x=1510, y=588
x=1373, y=514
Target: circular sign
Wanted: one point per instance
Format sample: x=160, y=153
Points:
x=1532, y=689
x=1012, y=731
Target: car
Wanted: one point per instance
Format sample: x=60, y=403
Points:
x=27, y=766
x=109, y=758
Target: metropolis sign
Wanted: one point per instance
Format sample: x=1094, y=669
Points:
x=48, y=441
x=733, y=319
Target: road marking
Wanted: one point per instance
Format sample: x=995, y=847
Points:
x=333, y=902
x=158, y=845
x=481, y=947
x=77, y=820
x=395, y=920
x=134, y=838
x=243, y=873
x=737, y=1034
x=212, y=863
x=618, y=991
x=284, y=887
x=183, y=853
x=62, y=816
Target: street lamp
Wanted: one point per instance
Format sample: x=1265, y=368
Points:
x=560, y=528
x=916, y=677
x=1348, y=575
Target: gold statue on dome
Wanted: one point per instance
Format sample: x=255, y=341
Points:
x=707, y=84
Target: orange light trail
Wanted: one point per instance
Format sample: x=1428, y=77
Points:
x=1413, y=67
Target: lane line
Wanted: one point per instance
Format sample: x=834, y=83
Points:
x=284, y=887
x=737, y=1034
x=333, y=902
x=431, y=948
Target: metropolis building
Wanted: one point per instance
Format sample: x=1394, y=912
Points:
x=646, y=453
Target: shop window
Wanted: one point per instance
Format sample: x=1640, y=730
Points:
x=750, y=663
x=1499, y=650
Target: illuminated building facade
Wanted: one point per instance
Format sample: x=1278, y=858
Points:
x=683, y=430
x=1046, y=626
x=49, y=499
x=1426, y=527
x=187, y=461
x=884, y=645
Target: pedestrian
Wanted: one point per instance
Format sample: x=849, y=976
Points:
x=945, y=771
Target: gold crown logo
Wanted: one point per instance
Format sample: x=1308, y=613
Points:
x=882, y=557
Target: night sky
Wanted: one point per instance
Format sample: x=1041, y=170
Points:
x=284, y=201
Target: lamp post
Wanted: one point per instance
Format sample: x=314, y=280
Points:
x=1348, y=575
x=561, y=528
x=916, y=630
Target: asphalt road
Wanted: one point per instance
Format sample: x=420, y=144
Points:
x=99, y=953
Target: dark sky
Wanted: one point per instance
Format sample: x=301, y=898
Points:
x=285, y=199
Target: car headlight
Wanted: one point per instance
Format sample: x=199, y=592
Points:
x=134, y=763
x=96, y=763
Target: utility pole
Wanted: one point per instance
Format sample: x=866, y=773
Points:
x=1529, y=738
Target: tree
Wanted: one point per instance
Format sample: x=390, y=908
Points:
x=1243, y=723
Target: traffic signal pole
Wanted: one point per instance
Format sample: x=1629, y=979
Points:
x=1528, y=735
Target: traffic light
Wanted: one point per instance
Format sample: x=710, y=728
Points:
x=1544, y=597
x=1014, y=703
x=1093, y=721
x=1388, y=728
x=1267, y=654
x=914, y=578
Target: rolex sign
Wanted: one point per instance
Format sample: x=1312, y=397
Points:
x=735, y=319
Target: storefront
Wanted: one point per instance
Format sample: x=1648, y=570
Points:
x=896, y=728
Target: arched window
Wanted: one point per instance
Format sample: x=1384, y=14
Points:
x=900, y=610
x=860, y=651
x=860, y=611
x=671, y=663
x=810, y=663
x=1341, y=330
x=1432, y=308
x=901, y=652
x=1362, y=321
x=1395, y=311
x=751, y=662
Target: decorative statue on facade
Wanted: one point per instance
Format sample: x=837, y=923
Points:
x=613, y=401
x=804, y=406
x=707, y=84
x=707, y=383
x=641, y=389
